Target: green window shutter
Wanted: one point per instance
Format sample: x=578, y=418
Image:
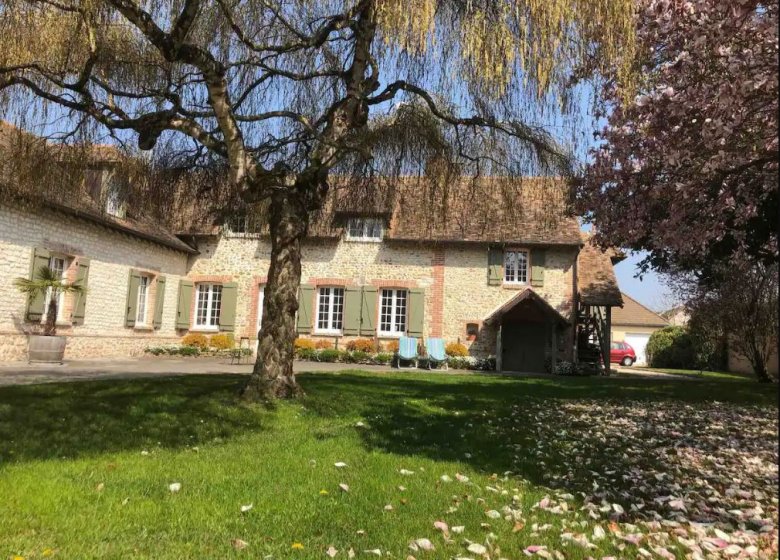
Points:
x=305, y=298
x=80, y=302
x=159, y=301
x=495, y=266
x=227, y=310
x=368, y=311
x=35, y=305
x=352, y=297
x=132, y=297
x=184, y=304
x=538, y=258
x=416, y=312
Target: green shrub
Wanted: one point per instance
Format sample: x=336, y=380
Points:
x=189, y=351
x=365, y=345
x=196, y=340
x=671, y=347
x=155, y=350
x=306, y=354
x=383, y=358
x=222, y=341
x=329, y=355
x=456, y=349
x=360, y=357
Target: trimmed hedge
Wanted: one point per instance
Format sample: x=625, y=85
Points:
x=671, y=347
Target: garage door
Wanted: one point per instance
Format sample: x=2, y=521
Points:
x=638, y=342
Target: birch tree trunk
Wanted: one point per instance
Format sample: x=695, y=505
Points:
x=273, y=375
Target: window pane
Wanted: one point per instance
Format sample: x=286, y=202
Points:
x=324, y=309
x=400, y=311
x=509, y=266
x=338, y=308
x=143, y=291
x=202, y=305
x=216, y=304
x=522, y=266
x=260, y=303
x=386, y=317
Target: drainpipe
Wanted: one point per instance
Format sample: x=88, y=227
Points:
x=576, y=305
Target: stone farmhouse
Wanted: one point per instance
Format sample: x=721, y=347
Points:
x=503, y=269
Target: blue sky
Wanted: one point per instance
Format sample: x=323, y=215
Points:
x=647, y=290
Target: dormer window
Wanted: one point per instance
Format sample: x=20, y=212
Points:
x=364, y=229
x=114, y=200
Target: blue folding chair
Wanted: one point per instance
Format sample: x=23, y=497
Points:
x=407, y=352
x=436, y=354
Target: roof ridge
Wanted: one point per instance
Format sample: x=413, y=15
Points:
x=643, y=306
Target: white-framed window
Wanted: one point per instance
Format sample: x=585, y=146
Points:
x=364, y=229
x=260, y=304
x=142, y=307
x=330, y=309
x=392, y=312
x=58, y=264
x=115, y=205
x=207, y=306
x=516, y=267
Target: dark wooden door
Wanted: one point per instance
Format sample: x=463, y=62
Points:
x=523, y=346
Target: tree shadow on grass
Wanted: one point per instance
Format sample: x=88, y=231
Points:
x=566, y=433
x=82, y=418
x=624, y=441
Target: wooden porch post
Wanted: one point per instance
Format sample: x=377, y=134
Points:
x=554, y=345
x=608, y=340
x=499, y=360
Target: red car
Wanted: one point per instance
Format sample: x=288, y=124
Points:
x=622, y=353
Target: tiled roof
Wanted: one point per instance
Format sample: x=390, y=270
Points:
x=528, y=211
x=596, y=281
x=634, y=313
x=526, y=295
x=502, y=210
x=75, y=200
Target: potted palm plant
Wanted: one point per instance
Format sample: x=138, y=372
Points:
x=45, y=345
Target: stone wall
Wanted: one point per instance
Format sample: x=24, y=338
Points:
x=454, y=279
x=112, y=254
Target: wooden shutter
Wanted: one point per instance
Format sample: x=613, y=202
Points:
x=416, y=312
x=538, y=258
x=368, y=311
x=495, y=266
x=80, y=299
x=35, y=305
x=159, y=301
x=352, y=303
x=133, y=282
x=184, y=304
x=305, y=297
x=227, y=310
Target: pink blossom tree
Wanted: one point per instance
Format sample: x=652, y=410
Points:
x=688, y=168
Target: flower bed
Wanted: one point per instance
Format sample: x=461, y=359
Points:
x=376, y=354
x=194, y=351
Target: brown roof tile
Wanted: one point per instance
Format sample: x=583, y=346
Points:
x=71, y=196
x=596, y=281
x=503, y=210
x=634, y=313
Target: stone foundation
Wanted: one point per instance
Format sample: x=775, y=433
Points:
x=13, y=346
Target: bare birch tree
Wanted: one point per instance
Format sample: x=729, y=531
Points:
x=286, y=92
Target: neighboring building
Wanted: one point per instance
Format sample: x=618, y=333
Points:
x=677, y=315
x=634, y=323
x=502, y=271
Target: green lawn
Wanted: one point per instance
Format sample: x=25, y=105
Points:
x=714, y=375
x=85, y=468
